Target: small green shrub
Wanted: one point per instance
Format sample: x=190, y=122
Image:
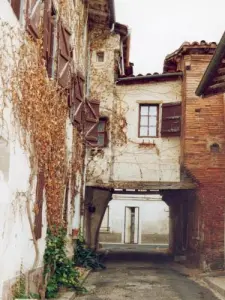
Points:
x=86, y=257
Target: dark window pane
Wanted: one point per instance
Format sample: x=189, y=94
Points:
x=101, y=140
x=101, y=126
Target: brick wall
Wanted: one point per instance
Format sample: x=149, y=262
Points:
x=203, y=125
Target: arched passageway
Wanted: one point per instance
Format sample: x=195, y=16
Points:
x=181, y=205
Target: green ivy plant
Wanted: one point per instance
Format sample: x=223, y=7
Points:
x=86, y=257
x=19, y=288
x=58, y=268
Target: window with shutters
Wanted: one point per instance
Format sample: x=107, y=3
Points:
x=91, y=121
x=34, y=18
x=102, y=133
x=171, y=119
x=148, y=120
x=76, y=99
x=16, y=6
x=64, y=58
x=49, y=25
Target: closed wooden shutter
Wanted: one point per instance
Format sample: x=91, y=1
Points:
x=47, y=27
x=76, y=102
x=48, y=35
x=39, y=205
x=91, y=120
x=34, y=18
x=16, y=4
x=64, y=72
x=171, y=119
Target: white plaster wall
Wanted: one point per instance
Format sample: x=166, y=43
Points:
x=101, y=80
x=159, y=158
x=16, y=245
x=153, y=214
x=159, y=161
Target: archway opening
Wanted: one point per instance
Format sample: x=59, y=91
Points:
x=133, y=219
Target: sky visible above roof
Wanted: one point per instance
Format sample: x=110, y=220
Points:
x=160, y=27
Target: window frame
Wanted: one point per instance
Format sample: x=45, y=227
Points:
x=104, y=133
x=157, y=120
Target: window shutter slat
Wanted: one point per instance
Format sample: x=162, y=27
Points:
x=47, y=30
x=39, y=205
x=16, y=7
x=64, y=73
x=34, y=18
x=76, y=101
x=91, y=120
x=171, y=119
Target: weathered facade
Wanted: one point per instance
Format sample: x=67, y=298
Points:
x=183, y=161
x=46, y=122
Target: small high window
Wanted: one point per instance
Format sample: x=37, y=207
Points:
x=215, y=148
x=148, y=117
x=102, y=132
x=100, y=56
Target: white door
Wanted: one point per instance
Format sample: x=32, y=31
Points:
x=131, y=224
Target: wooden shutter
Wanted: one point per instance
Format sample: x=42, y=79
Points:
x=47, y=27
x=77, y=99
x=39, y=205
x=171, y=119
x=16, y=7
x=91, y=120
x=64, y=73
x=34, y=18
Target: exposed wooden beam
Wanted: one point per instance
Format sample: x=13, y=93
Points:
x=96, y=12
x=221, y=71
x=217, y=87
x=126, y=185
x=219, y=79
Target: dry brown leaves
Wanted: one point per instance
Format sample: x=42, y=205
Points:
x=39, y=109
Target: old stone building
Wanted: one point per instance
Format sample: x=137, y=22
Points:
x=46, y=122
x=160, y=137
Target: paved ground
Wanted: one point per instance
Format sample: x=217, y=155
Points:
x=141, y=275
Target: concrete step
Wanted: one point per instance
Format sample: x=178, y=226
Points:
x=217, y=284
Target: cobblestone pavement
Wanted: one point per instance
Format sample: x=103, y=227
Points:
x=142, y=275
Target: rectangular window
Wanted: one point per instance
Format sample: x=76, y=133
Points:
x=102, y=132
x=100, y=56
x=148, y=120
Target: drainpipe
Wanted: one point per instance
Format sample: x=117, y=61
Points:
x=76, y=216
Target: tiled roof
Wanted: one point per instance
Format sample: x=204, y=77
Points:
x=188, y=45
x=148, y=77
x=213, y=82
x=195, y=47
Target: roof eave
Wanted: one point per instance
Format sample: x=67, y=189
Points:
x=212, y=68
x=149, y=77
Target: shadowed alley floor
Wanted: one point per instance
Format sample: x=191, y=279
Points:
x=142, y=274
